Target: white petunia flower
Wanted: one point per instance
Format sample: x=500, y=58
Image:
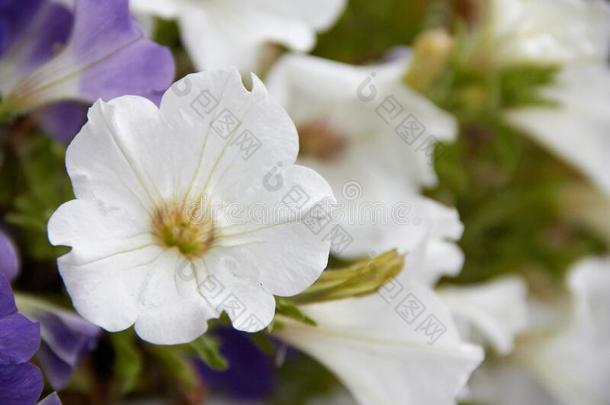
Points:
x=347, y=113
x=575, y=36
x=577, y=128
x=398, y=347
x=220, y=33
x=493, y=312
x=564, y=356
x=543, y=31
x=164, y=231
x=372, y=138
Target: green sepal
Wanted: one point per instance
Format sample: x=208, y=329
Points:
x=287, y=308
x=359, y=279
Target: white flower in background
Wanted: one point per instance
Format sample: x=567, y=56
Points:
x=494, y=312
x=405, y=350
x=353, y=119
x=543, y=31
x=564, y=356
x=575, y=36
x=372, y=138
x=578, y=128
x=150, y=246
x=219, y=33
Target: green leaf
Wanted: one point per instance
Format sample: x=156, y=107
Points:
x=41, y=184
x=520, y=85
x=175, y=363
x=128, y=363
x=208, y=349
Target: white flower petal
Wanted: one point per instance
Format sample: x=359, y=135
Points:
x=436, y=254
x=505, y=384
x=563, y=358
x=382, y=217
x=496, y=310
x=580, y=342
x=272, y=269
x=227, y=286
x=547, y=31
x=161, y=8
x=108, y=162
x=578, y=129
x=171, y=310
x=319, y=13
x=245, y=134
x=221, y=33
x=383, y=214
x=104, y=291
x=589, y=281
x=104, y=246
x=383, y=358
x=98, y=231
x=349, y=100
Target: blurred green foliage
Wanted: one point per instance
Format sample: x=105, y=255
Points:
x=301, y=379
x=505, y=186
x=367, y=30
x=36, y=176
x=506, y=189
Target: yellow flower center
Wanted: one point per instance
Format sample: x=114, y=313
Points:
x=188, y=227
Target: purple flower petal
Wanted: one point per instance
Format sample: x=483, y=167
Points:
x=19, y=339
x=47, y=36
x=43, y=29
x=52, y=399
x=67, y=339
x=128, y=62
x=251, y=375
x=107, y=56
x=57, y=371
x=20, y=384
x=142, y=69
x=68, y=335
x=7, y=300
x=9, y=262
x=14, y=18
x=62, y=120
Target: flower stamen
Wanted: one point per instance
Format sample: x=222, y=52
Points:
x=185, y=226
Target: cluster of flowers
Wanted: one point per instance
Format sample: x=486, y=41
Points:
x=150, y=151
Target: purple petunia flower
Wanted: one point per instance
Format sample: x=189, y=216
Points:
x=251, y=374
x=9, y=262
x=55, y=58
x=66, y=337
x=20, y=381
